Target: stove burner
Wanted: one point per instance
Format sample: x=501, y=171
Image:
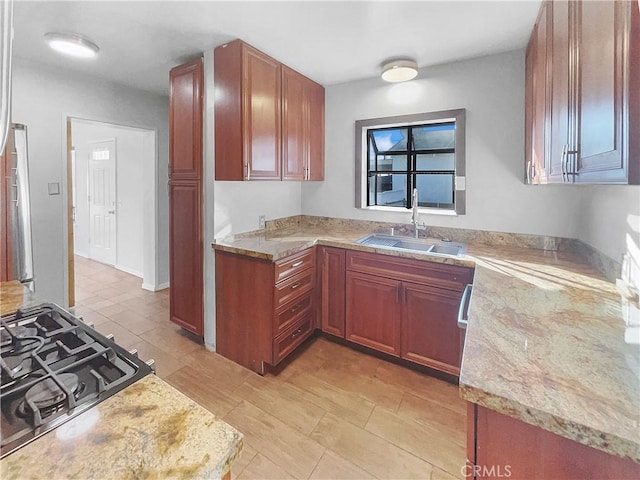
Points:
x=47, y=396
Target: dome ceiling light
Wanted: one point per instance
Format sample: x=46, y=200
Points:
x=399, y=70
x=72, y=44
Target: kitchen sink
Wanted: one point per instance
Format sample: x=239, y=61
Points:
x=406, y=243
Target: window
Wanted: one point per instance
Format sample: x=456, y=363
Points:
x=394, y=155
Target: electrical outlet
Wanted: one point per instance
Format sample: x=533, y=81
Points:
x=262, y=222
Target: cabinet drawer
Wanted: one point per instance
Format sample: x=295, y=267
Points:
x=294, y=287
x=441, y=275
x=296, y=263
x=284, y=344
x=291, y=312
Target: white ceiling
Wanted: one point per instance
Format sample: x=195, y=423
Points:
x=329, y=41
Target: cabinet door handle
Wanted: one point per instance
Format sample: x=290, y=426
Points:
x=297, y=264
x=463, y=320
x=528, y=167
x=563, y=159
x=296, y=333
x=295, y=308
x=248, y=176
x=295, y=285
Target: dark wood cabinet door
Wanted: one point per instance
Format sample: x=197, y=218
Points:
x=261, y=115
x=602, y=32
x=314, y=97
x=185, y=120
x=185, y=197
x=561, y=139
x=539, y=133
x=430, y=333
x=185, y=264
x=294, y=143
x=332, y=290
x=509, y=448
x=373, y=312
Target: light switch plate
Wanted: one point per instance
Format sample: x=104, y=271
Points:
x=54, y=188
x=262, y=222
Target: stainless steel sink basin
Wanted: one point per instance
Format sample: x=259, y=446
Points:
x=406, y=243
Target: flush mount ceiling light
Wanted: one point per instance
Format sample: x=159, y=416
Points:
x=399, y=70
x=72, y=44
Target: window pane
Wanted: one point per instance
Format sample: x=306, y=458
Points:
x=371, y=181
x=435, y=190
x=392, y=190
x=388, y=163
x=434, y=136
x=436, y=161
x=372, y=155
x=394, y=139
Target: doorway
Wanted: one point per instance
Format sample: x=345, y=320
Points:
x=112, y=198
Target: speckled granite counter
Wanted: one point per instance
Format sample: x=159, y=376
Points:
x=545, y=341
x=148, y=430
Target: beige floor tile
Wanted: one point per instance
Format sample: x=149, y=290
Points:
x=368, y=451
x=347, y=405
x=93, y=317
x=284, y=401
x=122, y=336
x=333, y=467
x=240, y=463
x=133, y=322
x=439, y=474
x=430, y=444
x=281, y=444
x=422, y=385
x=434, y=414
x=171, y=340
x=111, y=310
x=203, y=389
x=261, y=468
x=165, y=363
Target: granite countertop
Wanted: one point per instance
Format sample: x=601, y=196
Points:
x=147, y=430
x=546, y=338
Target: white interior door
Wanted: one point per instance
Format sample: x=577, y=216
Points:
x=102, y=202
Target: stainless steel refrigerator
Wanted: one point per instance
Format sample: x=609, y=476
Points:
x=17, y=231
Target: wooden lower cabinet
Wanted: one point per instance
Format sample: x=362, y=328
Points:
x=373, y=312
x=332, y=290
x=430, y=334
x=406, y=308
x=264, y=309
x=499, y=446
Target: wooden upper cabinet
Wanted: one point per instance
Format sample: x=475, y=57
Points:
x=269, y=119
x=261, y=115
x=185, y=120
x=603, y=30
x=581, y=93
x=314, y=98
x=294, y=126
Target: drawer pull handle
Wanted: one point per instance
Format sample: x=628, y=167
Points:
x=463, y=319
x=295, y=308
x=296, y=333
x=295, y=285
x=297, y=264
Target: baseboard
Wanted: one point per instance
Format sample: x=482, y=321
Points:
x=129, y=270
x=81, y=254
x=155, y=288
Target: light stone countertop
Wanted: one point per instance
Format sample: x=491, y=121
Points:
x=147, y=430
x=545, y=341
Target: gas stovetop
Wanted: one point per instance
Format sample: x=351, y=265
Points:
x=54, y=367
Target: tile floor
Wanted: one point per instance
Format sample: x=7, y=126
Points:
x=331, y=413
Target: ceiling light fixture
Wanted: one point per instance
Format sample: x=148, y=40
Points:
x=72, y=44
x=399, y=70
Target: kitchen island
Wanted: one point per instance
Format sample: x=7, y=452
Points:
x=146, y=430
x=545, y=343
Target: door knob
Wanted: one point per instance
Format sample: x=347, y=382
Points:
x=112, y=212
